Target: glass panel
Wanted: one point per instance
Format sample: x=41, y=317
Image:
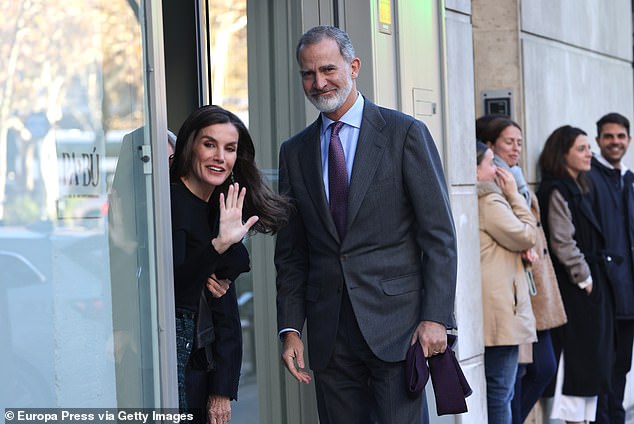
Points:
x=228, y=56
x=73, y=249
x=229, y=89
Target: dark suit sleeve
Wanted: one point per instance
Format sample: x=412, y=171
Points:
x=290, y=260
x=425, y=185
x=227, y=347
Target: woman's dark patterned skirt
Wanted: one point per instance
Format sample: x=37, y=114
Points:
x=184, y=342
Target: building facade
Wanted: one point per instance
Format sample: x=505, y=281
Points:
x=88, y=89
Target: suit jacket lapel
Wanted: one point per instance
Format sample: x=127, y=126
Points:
x=367, y=157
x=310, y=162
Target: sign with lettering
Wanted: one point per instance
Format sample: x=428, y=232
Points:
x=81, y=176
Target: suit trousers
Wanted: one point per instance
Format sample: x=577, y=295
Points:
x=610, y=405
x=356, y=387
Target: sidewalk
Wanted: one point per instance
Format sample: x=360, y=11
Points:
x=536, y=416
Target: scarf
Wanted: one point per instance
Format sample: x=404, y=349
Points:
x=516, y=171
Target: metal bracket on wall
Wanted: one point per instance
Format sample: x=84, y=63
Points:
x=145, y=153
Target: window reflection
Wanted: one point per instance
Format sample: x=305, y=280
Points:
x=228, y=56
x=229, y=89
x=69, y=88
x=71, y=85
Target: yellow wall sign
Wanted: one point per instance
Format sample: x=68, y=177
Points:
x=385, y=16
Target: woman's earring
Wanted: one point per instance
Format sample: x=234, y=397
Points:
x=233, y=180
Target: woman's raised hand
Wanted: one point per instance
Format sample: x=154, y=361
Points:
x=231, y=229
x=506, y=181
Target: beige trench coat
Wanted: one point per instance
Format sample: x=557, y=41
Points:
x=507, y=228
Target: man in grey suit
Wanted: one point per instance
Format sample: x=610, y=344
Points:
x=369, y=257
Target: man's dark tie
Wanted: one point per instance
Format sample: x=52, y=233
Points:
x=338, y=180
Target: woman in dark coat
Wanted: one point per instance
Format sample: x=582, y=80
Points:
x=576, y=246
x=218, y=196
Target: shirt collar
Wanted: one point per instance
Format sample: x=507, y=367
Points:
x=352, y=117
x=608, y=165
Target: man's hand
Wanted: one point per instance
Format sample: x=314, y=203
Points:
x=218, y=409
x=216, y=286
x=293, y=356
x=432, y=336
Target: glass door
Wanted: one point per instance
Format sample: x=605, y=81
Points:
x=77, y=291
x=248, y=67
x=228, y=83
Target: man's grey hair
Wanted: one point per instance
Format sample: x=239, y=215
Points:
x=318, y=33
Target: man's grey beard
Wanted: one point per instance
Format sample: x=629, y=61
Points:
x=327, y=105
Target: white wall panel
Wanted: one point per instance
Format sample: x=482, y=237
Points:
x=567, y=85
x=598, y=25
x=462, y=6
x=470, y=349
x=460, y=145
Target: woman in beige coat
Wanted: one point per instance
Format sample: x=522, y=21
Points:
x=507, y=228
x=536, y=371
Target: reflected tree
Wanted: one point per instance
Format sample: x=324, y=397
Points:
x=78, y=63
x=229, y=73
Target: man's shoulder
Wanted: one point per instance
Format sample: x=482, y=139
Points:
x=301, y=137
x=392, y=114
x=389, y=120
x=596, y=164
x=599, y=172
x=596, y=169
x=389, y=112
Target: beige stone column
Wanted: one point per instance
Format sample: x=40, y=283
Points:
x=497, y=51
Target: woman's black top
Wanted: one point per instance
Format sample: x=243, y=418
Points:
x=194, y=225
x=217, y=351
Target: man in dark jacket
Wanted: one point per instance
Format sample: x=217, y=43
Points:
x=613, y=193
